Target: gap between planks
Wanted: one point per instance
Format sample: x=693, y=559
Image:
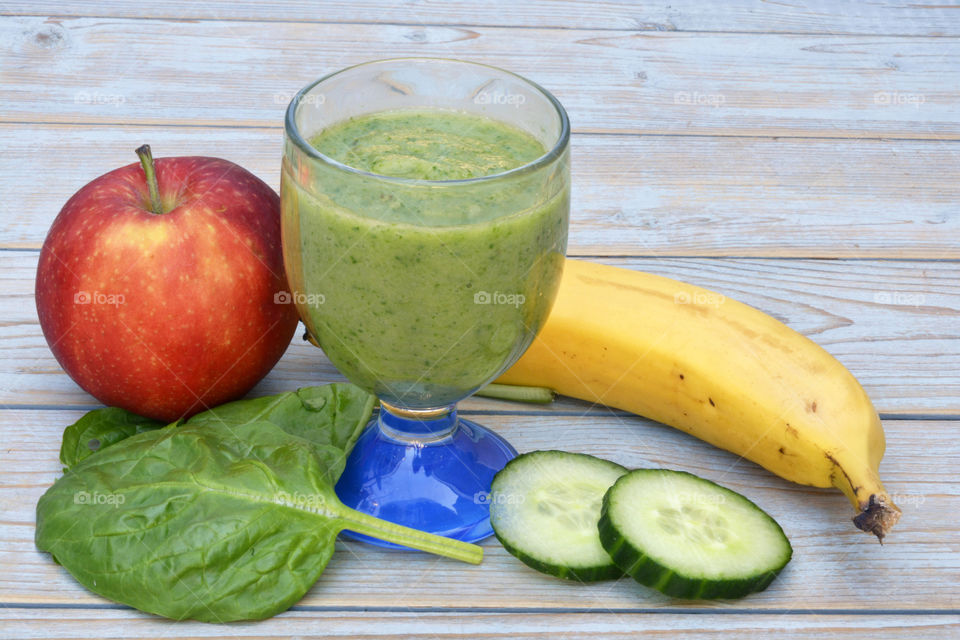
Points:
x=532, y=610
x=471, y=25
x=636, y=133
x=743, y=17
x=659, y=256
x=603, y=409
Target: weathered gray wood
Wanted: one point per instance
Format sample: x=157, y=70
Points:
x=32, y=623
x=818, y=16
x=834, y=566
x=651, y=195
x=227, y=73
x=893, y=324
x=716, y=83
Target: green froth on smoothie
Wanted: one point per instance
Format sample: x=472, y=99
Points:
x=419, y=145
x=427, y=291
x=389, y=143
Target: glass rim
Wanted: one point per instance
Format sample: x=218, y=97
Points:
x=293, y=133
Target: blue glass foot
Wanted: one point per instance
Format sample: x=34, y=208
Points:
x=429, y=470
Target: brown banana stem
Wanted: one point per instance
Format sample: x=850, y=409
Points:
x=878, y=516
x=876, y=512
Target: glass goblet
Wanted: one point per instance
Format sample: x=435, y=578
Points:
x=419, y=287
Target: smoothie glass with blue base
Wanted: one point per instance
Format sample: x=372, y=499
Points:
x=424, y=290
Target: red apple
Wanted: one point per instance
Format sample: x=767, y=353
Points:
x=161, y=288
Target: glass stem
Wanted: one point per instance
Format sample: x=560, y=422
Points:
x=417, y=425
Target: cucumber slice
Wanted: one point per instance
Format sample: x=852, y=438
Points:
x=544, y=508
x=689, y=537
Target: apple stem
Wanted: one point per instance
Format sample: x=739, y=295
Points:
x=146, y=161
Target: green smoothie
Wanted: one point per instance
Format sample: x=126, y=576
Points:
x=424, y=285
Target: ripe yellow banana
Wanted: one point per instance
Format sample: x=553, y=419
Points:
x=718, y=369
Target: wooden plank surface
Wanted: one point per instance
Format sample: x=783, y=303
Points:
x=801, y=157
x=107, y=623
x=893, y=324
x=217, y=73
x=632, y=195
x=835, y=566
x=823, y=16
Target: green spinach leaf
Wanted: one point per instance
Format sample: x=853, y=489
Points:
x=218, y=519
x=321, y=414
x=325, y=415
x=99, y=429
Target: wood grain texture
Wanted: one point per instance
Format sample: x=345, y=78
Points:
x=725, y=144
x=824, y=16
x=834, y=567
x=893, y=324
x=104, y=624
x=648, y=195
x=217, y=73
